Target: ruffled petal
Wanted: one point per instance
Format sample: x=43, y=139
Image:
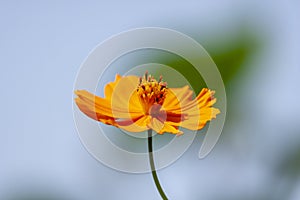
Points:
x=93, y=103
x=176, y=98
x=109, y=88
x=103, y=106
x=200, y=111
x=121, y=103
x=124, y=95
x=170, y=129
x=135, y=125
x=190, y=113
x=91, y=111
x=161, y=127
x=156, y=125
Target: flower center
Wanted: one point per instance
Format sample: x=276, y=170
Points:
x=151, y=91
x=156, y=111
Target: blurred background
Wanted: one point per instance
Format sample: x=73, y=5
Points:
x=255, y=45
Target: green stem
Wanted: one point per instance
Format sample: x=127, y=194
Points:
x=152, y=165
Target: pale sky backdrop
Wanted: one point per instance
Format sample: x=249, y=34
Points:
x=42, y=45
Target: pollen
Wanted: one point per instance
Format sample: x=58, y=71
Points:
x=151, y=91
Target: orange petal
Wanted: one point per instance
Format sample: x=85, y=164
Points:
x=109, y=88
x=103, y=106
x=190, y=113
x=162, y=127
x=156, y=125
x=177, y=98
x=135, y=125
x=200, y=111
x=91, y=112
x=170, y=129
x=125, y=95
x=120, y=103
x=184, y=94
x=93, y=103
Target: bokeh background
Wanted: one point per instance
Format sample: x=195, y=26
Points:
x=256, y=46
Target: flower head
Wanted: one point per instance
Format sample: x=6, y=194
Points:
x=137, y=104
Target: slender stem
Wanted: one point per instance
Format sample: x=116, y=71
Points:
x=152, y=165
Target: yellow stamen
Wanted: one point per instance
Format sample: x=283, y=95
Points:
x=151, y=91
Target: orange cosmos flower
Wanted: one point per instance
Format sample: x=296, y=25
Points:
x=139, y=104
